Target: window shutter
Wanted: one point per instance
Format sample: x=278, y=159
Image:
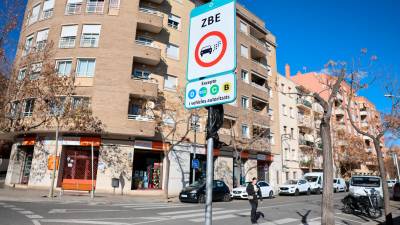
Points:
x=42, y=35
x=91, y=29
x=74, y=1
x=69, y=31
x=49, y=4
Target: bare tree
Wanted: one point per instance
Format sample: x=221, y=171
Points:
x=359, y=78
x=173, y=125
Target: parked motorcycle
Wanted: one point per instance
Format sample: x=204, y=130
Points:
x=369, y=205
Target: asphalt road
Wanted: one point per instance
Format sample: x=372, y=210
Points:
x=282, y=210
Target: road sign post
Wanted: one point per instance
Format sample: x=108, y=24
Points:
x=210, y=71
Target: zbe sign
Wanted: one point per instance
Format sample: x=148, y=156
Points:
x=212, y=55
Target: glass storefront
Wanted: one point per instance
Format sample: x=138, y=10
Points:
x=201, y=172
x=147, y=170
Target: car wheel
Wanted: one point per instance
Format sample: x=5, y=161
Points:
x=271, y=195
x=227, y=198
x=318, y=191
x=335, y=190
x=296, y=193
x=309, y=191
x=202, y=198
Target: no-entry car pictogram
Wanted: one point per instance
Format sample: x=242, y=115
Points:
x=207, y=46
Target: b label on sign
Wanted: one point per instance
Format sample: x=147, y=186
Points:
x=212, y=40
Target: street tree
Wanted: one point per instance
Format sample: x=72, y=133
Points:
x=38, y=97
x=360, y=76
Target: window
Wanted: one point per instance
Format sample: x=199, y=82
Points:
x=245, y=76
x=287, y=151
x=95, y=6
x=170, y=82
x=57, y=106
x=271, y=113
x=287, y=175
x=90, y=36
x=173, y=51
x=245, y=102
x=35, y=14
x=114, y=4
x=85, y=67
x=21, y=74
x=41, y=39
x=285, y=129
x=14, y=110
x=144, y=41
x=271, y=138
x=141, y=74
x=28, y=45
x=244, y=51
x=291, y=112
x=48, y=8
x=283, y=89
x=243, y=27
x=79, y=101
x=284, y=110
x=68, y=36
x=245, y=131
x=174, y=21
x=292, y=133
x=36, y=68
x=64, y=67
x=73, y=7
x=28, y=107
x=290, y=91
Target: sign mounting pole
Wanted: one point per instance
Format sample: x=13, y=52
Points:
x=210, y=170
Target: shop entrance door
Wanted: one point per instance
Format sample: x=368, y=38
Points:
x=201, y=171
x=261, y=170
x=147, y=170
x=26, y=171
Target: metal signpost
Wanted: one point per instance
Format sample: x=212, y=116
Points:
x=210, y=71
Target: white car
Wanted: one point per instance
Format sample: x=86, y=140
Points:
x=390, y=183
x=360, y=184
x=339, y=185
x=295, y=187
x=240, y=192
x=316, y=180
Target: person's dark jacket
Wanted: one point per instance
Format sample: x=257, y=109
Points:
x=251, y=192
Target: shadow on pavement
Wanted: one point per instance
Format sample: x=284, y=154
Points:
x=304, y=217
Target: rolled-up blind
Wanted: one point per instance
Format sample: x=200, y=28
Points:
x=74, y=1
x=91, y=29
x=48, y=4
x=69, y=31
x=42, y=35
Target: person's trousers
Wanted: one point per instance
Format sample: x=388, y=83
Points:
x=253, y=215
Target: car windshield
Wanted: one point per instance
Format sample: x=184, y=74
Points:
x=291, y=182
x=197, y=184
x=311, y=178
x=366, y=181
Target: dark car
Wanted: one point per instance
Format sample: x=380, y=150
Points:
x=396, y=191
x=196, y=192
x=205, y=49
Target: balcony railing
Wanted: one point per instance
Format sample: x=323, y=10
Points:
x=305, y=102
x=140, y=117
x=145, y=43
x=95, y=7
x=47, y=14
x=302, y=141
x=67, y=42
x=260, y=64
x=114, y=4
x=150, y=11
x=258, y=41
x=28, y=114
x=73, y=8
x=41, y=45
x=89, y=41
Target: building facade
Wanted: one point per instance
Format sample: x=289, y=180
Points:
x=124, y=55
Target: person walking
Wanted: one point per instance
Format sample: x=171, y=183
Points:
x=253, y=193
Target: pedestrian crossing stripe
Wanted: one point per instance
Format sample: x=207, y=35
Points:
x=214, y=218
x=185, y=211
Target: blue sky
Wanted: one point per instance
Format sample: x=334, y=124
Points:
x=310, y=32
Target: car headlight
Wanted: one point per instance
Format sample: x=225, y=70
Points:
x=193, y=192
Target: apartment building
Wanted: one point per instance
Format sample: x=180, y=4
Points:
x=316, y=83
x=124, y=55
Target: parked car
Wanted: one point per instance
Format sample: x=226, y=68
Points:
x=339, y=185
x=240, y=192
x=360, y=184
x=196, y=192
x=316, y=180
x=396, y=191
x=390, y=183
x=295, y=187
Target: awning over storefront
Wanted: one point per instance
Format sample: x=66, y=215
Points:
x=152, y=145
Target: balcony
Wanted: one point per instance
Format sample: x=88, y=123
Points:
x=145, y=53
x=259, y=105
x=95, y=7
x=156, y=1
x=364, y=125
x=143, y=87
x=317, y=108
x=304, y=121
x=259, y=60
x=73, y=8
x=150, y=20
x=340, y=125
x=304, y=102
x=363, y=113
x=339, y=111
x=304, y=143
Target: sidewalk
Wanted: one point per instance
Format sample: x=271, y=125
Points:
x=32, y=195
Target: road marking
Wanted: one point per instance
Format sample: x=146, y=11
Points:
x=214, y=218
x=286, y=220
x=9, y=206
x=69, y=221
x=17, y=209
x=36, y=222
x=34, y=216
x=345, y=219
x=162, y=207
x=185, y=211
x=202, y=214
x=84, y=210
x=26, y=212
x=143, y=204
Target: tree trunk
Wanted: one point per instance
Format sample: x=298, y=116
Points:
x=327, y=193
x=382, y=171
x=166, y=177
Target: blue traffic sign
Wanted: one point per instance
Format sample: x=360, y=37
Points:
x=195, y=163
